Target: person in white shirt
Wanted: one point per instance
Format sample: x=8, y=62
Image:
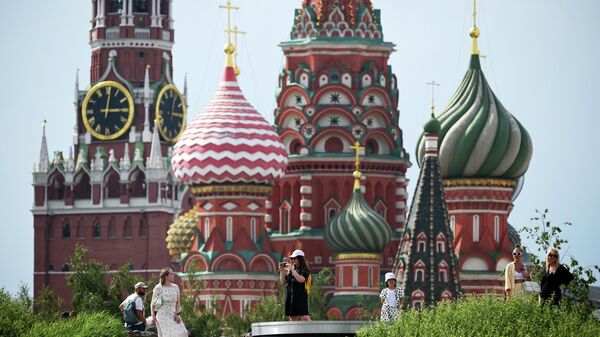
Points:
x=137, y=296
x=392, y=298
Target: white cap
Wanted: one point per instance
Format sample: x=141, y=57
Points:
x=389, y=276
x=141, y=285
x=297, y=252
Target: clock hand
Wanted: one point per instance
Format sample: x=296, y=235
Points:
x=177, y=114
x=107, y=103
x=116, y=110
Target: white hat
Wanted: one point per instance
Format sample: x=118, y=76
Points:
x=297, y=252
x=389, y=276
x=141, y=285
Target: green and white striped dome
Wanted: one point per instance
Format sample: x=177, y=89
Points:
x=357, y=228
x=479, y=138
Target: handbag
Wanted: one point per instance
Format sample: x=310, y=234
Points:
x=158, y=301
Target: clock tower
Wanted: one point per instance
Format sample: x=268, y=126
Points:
x=114, y=193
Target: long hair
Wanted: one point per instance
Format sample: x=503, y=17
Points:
x=550, y=251
x=163, y=275
x=302, y=264
x=519, y=249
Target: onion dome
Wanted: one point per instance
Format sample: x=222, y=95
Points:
x=229, y=141
x=479, y=138
x=432, y=125
x=182, y=233
x=357, y=228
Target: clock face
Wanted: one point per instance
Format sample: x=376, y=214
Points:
x=170, y=110
x=107, y=110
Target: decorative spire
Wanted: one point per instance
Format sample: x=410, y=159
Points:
x=70, y=161
x=146, y=132
x=236, y=32
x=433, y=84
x=357, y=175
x=76, y=96
x=474, y=33
x=229, y=48
x=125, y=163
x=185, y=90
x=44, y=160
x=155, y=161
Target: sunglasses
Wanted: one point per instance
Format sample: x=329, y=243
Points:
x=293, y=258
x=552, y=255
x=517, y=254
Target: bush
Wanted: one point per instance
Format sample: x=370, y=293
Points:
x=489, y=316
x=204, y=324
x=15, y=317
x=100, y=324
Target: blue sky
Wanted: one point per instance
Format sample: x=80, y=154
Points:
x=541, y=61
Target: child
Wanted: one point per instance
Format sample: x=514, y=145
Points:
x=392, y=299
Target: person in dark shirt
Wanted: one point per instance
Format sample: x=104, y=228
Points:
x=296, y=278
x=554, y=276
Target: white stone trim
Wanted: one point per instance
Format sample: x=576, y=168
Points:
x=477, y=211
x=305, y=216
x=268, y=204
x=209, y=276
x=305, y=189
x=401, y=192
x=128, y=43
x=268, y=218
x=306, y=177
x=400, y=205
x=400, y=218
x=462, y=200
x=305, y=203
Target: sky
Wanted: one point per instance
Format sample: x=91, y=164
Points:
x=541, y=60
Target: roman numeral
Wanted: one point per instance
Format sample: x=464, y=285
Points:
x=116, y=92
x=123, y=119
x=123, y=100
x=117, y=128
x=108, y=91
x=97, y=129
x=179, y=105
x=179, y=124
x=107, y=131
x=92, y=101
x=99, y=93
x=92, y=120
x=90, y=112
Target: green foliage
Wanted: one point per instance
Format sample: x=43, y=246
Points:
x=92, y=291
x=15, y=316
x=268, y=309
x=99, y=324
x=370, y=307
x=199, y=321
x=235, y=326
x=317, y=301
x=488, y=316
x=546, y=235
x=47, y=305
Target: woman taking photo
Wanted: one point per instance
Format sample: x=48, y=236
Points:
x=165, y=306
x=515, y=275
x=296, y=278
x=553, y=277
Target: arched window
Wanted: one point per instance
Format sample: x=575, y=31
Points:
x=143, y=230
x=115, y=6
x=112, y=186
x=440, y=247
x=354, y=276
x=229, y=229
x=419, y=275
x=56, y=187
x=452, y=223
x=295, y=147
x=340, y=276
x=80, y=229
x=66, y=230
x=112, y=228
x=97, y=230
x=50, y=267
x=253, y=229
x=138, y=184
x=82, y=186
x=127, y=232
x=475, y=228
x=206, y=228
x=443, y=275
x=284, y=218
x=497, y=228
x=331, y=213
x=334, y=145
x=372, y=147
x=370, y=281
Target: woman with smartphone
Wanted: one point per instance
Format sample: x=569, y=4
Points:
x=295, y=278
x=515, y=275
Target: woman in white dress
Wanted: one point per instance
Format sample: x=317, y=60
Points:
x=165, y=306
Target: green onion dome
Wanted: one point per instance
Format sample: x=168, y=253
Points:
x=432, y=125
x=357, y=228
x=479, y=138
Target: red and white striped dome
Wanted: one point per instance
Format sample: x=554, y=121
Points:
x=229, y=142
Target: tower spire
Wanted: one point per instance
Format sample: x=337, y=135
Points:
x=357, y=175
x=44, y=161
x=474, y=33
x=229, y=48
x=146, y=136
x=433, y=84
x=156, y=160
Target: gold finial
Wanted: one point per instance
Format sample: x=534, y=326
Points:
x=474, y=33
x=433, y=84
x=235, y=32
x=357, y=175
x=229, y=48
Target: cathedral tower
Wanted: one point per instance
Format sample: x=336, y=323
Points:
x=484, y=153
x=114, y=193
x=337, y=88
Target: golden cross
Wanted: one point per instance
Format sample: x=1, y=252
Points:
x=474, y=13
x=235, y=32
x=357, y=149
x=229, y=7
x=433, y=84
